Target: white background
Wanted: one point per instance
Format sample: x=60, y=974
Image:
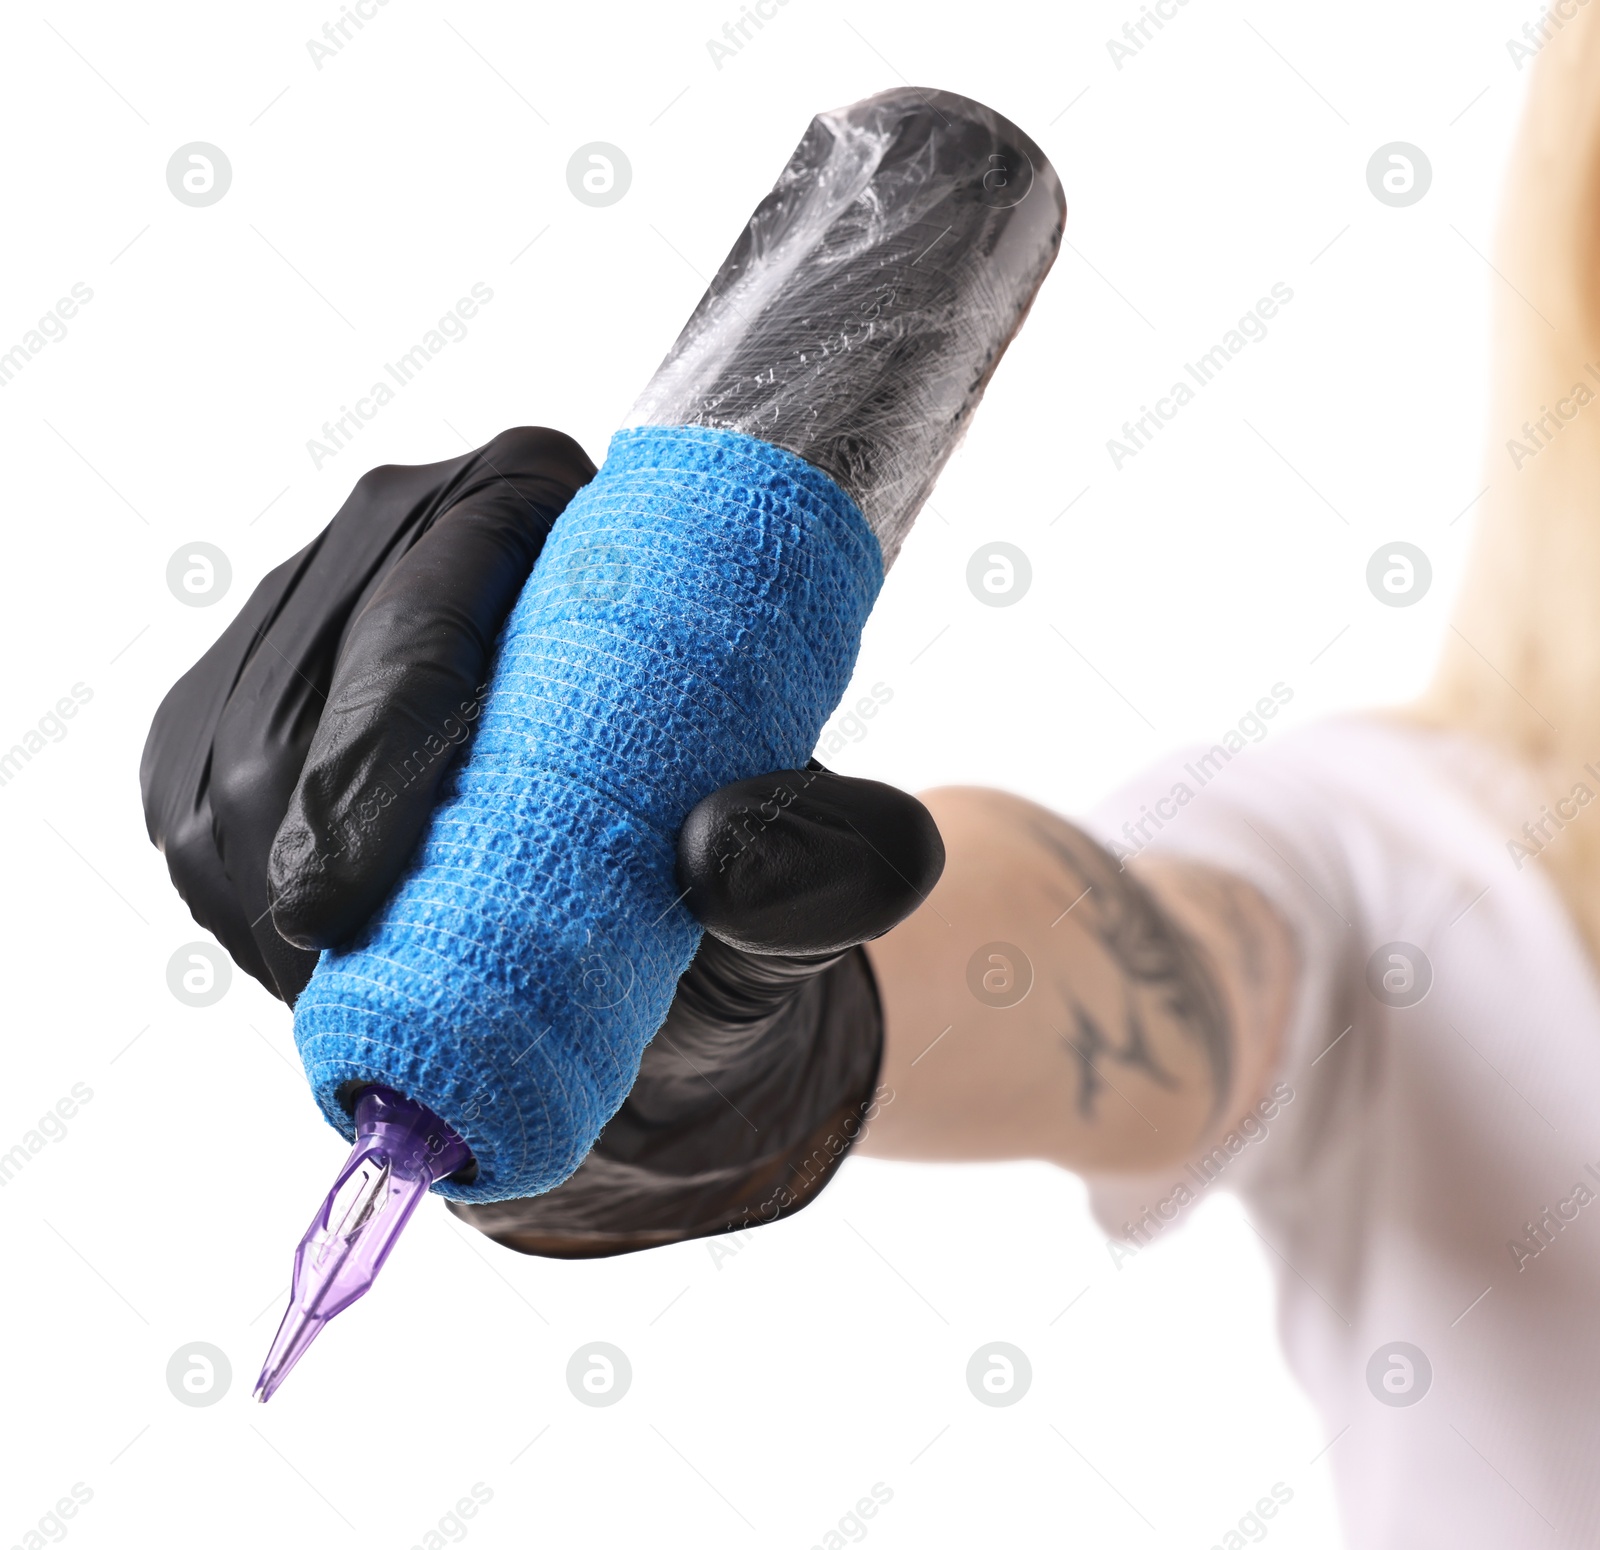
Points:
x=773, y=1388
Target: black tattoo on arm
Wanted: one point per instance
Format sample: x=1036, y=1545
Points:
x=1091, y=1045
x=1227, y=898
x=1157, y=963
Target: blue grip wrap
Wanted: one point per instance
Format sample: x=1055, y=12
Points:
x=693, y=620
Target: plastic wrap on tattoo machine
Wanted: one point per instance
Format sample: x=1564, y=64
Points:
x=872, y=293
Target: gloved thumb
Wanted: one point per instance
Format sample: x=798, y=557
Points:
x=805, y=862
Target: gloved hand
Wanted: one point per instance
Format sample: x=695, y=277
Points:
x=290, y=774
x=378, y=635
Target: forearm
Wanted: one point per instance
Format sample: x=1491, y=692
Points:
x=1154, y=997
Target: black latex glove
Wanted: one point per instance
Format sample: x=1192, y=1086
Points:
x=404, y=593
x=271, y=782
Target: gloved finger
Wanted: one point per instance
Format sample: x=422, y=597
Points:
x=805, y=863
x=408, y=686
x=175, y=771
x=226, y=746
x=274, y=703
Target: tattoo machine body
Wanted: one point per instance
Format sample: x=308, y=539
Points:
x=692, y=621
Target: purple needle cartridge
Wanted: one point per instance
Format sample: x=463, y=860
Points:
x=401, y=1150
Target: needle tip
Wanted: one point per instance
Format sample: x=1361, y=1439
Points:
x=296, y=1332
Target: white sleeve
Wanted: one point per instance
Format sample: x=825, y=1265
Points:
x=1266, y=815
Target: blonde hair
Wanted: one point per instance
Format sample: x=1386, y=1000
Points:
x=1520, y=666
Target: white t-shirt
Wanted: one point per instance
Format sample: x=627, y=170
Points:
x=1450, y=1341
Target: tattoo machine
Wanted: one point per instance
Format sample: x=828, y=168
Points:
x=693, y=620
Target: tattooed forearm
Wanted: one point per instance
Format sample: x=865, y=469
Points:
x=1164, y=975
x=1156, y=1001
